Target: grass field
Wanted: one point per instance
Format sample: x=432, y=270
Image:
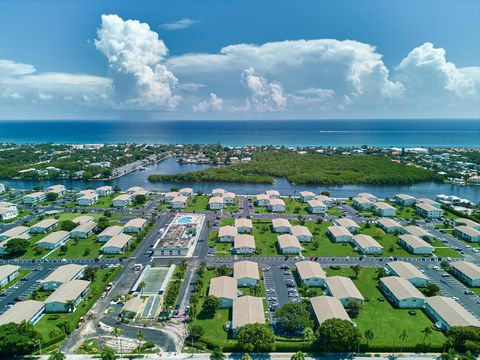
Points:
x=334, y=211
x=405, y=212
x=79, y=248
x=197, y=203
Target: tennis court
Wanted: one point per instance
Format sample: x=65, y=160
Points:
x=153, y=279
x=152, y=307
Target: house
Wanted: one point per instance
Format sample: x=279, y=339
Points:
x=306, y=196
x=8, y=273
x=137, y=190
x=405, y=200
x=390, y=226
x=67, y=297
x=109, y=232
x=244, y=244
x=2, y=188
x=327, y=307
x=117, y=244
x=420, y=232
x=302, y=233
x=276, y=205
x=467, y=222
x=8, y=211
x=281, y=226
x=179, y=202
x=327, y=200
x=61, y=275
x=122, y=200
x=366, y=245
x=227, y=233
x=288, y=244
x=104, y=190
x=401, y=293
x=54, y=240
x=428, y=202
x=132, y=307
x=59, y=190
x=467, y=272
x=168, y=197
x=44, y=226
x=88, y=199
x=446, y=313
x=367, y=196
x=361, y=203
x=343, y=289
x=34, y=198
x=244, y=225
x=262, y=200
x=247, y=310
x=83, y=231
x=384, y=209
x=407, y=271
x=134, y=226
x=186, y=192
x=225, y=289
x=467, y=233
x=272, y=194
x=311, y=273
x=349, y=224
x=218, y=192
x=229, y=198
x=29, y=311
x=215, y=203
x=429, y=211
x=246, y=273
x=316, y=207
x=414, y=245
x=17, y=232
x=82, y=219
x=339, y=234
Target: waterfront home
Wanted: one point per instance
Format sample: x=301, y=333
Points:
x=361, y=203
x=186, y=192
x=137, y=190
x=244, y=225
x=246, y=273
x=430, y=202
x=327, y=200
x=122, y=200
x=34, y=198
x=401, y=293
x=82, y=219
x=244, y=244
x=59, y=190
x=311, y=273
x=169, y=196
x=316, y=207
x=104, y=190
x=229, y=198
x=83, y=231
x=117, y=244
x=302, y=233
x=179, y=202
x=384, y=209
x=415, y=245
x=367, y=196
x=218, y=192
x=8, y=211
x=306, y=196
x=276, y=205
x=344, y=290
x=67, y=297
x=405, y=200
x=262, y=200
x=88, y=199
x=467, y=272
x=390, y=226
x=61, y=275
x=247, y=310
x=134, y=226
x=29, y=311
x=54, y=240
x=132, y=307
x=407, y=271
x=339, y=234
x=467, y=222
x=366, y=245
x=428, y=211
x=467, y=233
x=44, y=226
x=272, y=194
x=420, y=232
x=289, y=244
x=281, y=226
x=215, y=203
x=8, y=273
x=227, y=233
x=349, y=224
x=446, y=313
x=17, y=232
x=225, y=289
x=109, y=232
x=327, y=307
x=2, y=188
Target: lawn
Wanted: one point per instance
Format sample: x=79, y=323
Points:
x=388, y=241
x=405, y=212
x=443, y=250
x=334, y=211
x=385, y=321
x=292, y=206
x=79, y=248
x=197, y=203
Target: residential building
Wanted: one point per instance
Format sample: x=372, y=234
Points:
x=225, y=289
x=262, y=200
x=179, y=202
x=17, y=232
x=311, y=273
x=169, y=196
x=134, y=226
x=215, y=203
x=288, y=244
x=384, y=209
x=428, y=211
x=349, y=224
x=276, y=205
x=405, y=200
x=366, y=245
x=316, y=207
x=327, y=200
x=368, y=196
x=302, y=233
x=467, y=222
x=467, y=233
x=407, y=271
x=247, y=310
x=44, y=226
x=344, y=290
x=54, y=239
x=67, y=297
x=137, y=190
x=244, y=244
x=228, y=198
x=109, y=232
x=2, y=188
x=61, y=275
x=29, y=311
x=401, y=293
x=79, y=220
x=218, y=192
x=34, y=198
x=362, y=203
x=244, y=225
x=83, y=231
x=327, y=307
x=117, y=244
x=88, y=199
x=428, y=202
x=339, y=234
x=420, y=232
x=104, y=190
x=445, y=312
x=8, y=211
x=281, y=226
x=122, y=200
x=390, y=226
x=246, y=273
x=60, y=190
x=415, y=245
x=467, y=272
x=272, y=194
x=186, y=192
x=306, y=196
x=227, y=233
x=8, y=273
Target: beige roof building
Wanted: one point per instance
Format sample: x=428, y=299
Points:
x=133, y=305
x=299, y=231
x=467, y=222
x=281, y=223
x=415, y=242
x=417, y=231
x=246, y=269
x=310, y=269
x=366, y=241
x=388, y=223
x=68, y=291
x=136, y=223
x=401, y=288
x=451, y=312
x=223, y=287
x=55, y=237
x=111, y=231
x=467, y=268
x=7, y=270
x=272, y=193
x=85, y=228
x=276, y=202
x=247, y=310
x=215, y=200
x=21, y=311
x=343, y=287
x=328, y=307
x=83, y=219
x=118, y=241
x=46, y=223
x=406, y=270
x=244, y=241
x=227, y=231
x=288, y=241
x=347, y=223
x=64, y=273
x=17, y=232
x=339, y=231
x=243, y=223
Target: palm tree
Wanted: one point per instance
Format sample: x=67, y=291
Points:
x=427, y=331
x=255, y=290
x=57, y=355
x=217, y=354
x=116, y=332
x=246, y=357
x=369, y=335
x=381, y=272
x=140, y=335
x=357, y=269
x=403, y=337
x=141, y=286
x=70, y=305
x=308, y=335
x=108, y=354
x=298, y=356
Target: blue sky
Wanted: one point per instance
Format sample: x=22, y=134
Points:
x=405, y=59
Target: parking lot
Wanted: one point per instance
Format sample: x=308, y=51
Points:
x=279, y=286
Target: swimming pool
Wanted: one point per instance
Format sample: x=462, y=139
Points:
x=185, y=220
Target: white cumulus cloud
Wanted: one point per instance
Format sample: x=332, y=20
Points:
x=179, y=25
x=263, y=95
x=213, y=103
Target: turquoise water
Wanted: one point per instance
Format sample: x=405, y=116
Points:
x=185, y=220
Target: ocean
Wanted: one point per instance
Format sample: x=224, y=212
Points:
x=383, y=133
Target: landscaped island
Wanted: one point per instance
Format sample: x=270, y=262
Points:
x=312, y=169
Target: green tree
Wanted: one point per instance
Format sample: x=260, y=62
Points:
x=246, y=357
x=403, y=337
x=18, y=339
x=308, y=335
x=369, y=335
x=103, y=223
x=427, y=331
x=337, y=335
x=256, y=337
x=140, y=199
x=255, y=290
x=140, y=335
x=116, y=332
x=217, y=354
x=67, y=225
x=108, y=354
x=357, y=269
x=431, y=289
x=57, y=355
x=89, y=273
x=294, y=317
x=17, y=247
x=381, y=272
x=354, y=308
x=195, y=331
x=298, y=356
x=210, y=305
x=464, y=338
x=51, y=196
x=70, y=305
